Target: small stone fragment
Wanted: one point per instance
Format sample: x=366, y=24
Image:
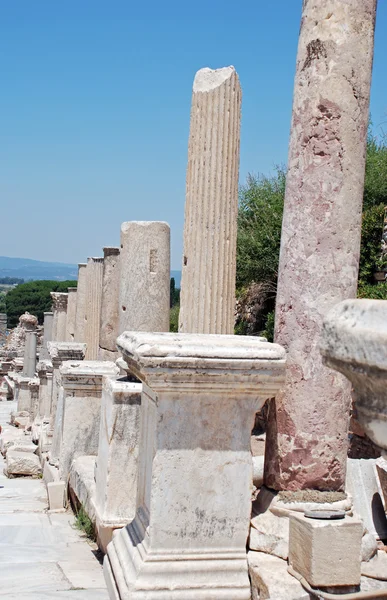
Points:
x=377, y=567
x=22, y=463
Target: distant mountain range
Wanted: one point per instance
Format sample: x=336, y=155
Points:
x=28, y=269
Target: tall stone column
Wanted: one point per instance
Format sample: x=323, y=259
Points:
x=93, y=306
x=59, y=325
x=29, y=364
x=207, y=301
x=80, y=313
x=71, y=313
x=306, y=444
x=47, y=335
x=109, y=308
x=145, y=276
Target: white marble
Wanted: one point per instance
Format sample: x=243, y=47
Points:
x=42, y=557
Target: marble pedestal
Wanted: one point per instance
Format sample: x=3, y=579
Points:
x=59, y=352
x=200, y=395
x=78, y=415
x=117, y=461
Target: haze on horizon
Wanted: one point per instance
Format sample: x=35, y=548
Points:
x=96, y=107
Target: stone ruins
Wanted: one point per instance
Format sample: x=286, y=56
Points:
x=147, y=433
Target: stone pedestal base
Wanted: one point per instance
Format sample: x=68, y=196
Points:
x=133, y=572
x=326, y=553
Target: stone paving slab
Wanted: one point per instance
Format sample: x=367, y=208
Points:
x=42, y=555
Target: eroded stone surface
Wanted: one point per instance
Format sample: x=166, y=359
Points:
x=308, y=423
x=22, y=463
x=270, y=579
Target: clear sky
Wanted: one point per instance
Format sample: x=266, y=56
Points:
x=95, y=104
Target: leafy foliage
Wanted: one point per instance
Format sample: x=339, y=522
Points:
x=3, y=308
x=33, y=297
x=174, y=318
x=174, y=293
x=371, y=235
x=84, y=523
x=375, y=292
x=261, y=203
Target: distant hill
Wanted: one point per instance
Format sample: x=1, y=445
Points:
x=28, y=269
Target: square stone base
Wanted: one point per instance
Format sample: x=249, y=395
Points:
x=326, y=553
x=133, y=572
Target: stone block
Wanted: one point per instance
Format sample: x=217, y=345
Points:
x=377, y=567
x=326, y=553
x=270, y=579
x=22, y=463
x=369, y=547
x=362, y=485
x=270, y=533
x=77, y=430
x=56, y=493
x=118, y=453
x=381, y=480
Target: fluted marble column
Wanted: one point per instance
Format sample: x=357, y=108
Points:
x=93, y=306
x=207, y=301
x=71, y=313
x=80, y=313
x=306, y=440
x=109, y=307
x=59, y=325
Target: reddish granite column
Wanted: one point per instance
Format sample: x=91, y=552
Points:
x=306, y=443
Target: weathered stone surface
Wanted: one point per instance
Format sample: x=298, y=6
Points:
x=145, y=276
x=326, y=553
x=354, y=342
x=60, y=352
x=77, y=425
x=270, y=533
x=29, y=364
x=362, y=485
x=270, y=579
x=93, y=306
x=71, y=313
x=118, y=452
x=376, y=567
x=56, y=495
x=306, y=443
x=369, y=547
x=44, y=369
x=381, y=473
x=47, y=335
x=82, y=484
x=80, y=315
x=200, y=395
x=110, y=301
x=207, y=301
x=22, y=463
x=59, y=324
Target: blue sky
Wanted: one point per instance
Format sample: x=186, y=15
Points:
x=95, y=108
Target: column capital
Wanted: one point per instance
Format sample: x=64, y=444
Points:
x=61, y=351
x=205, y=363
x=86, y=375
x=59, y=300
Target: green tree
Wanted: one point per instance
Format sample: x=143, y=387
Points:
x=261, y=202
x=33, y=297
x=3, y=307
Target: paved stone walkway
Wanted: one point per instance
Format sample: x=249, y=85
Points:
x=42, y=555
